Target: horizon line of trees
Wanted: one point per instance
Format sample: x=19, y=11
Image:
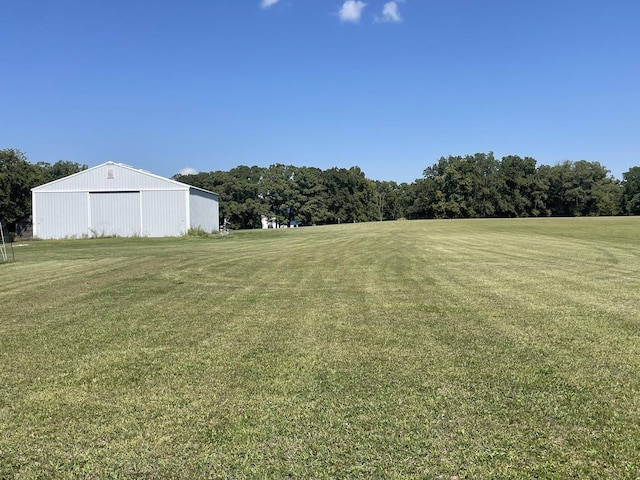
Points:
x=471, y=186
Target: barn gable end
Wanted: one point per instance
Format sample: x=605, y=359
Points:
x=113, y=199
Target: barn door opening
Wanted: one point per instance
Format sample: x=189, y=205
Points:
x=115, y=214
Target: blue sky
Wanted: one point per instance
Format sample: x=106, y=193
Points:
x=391, y=87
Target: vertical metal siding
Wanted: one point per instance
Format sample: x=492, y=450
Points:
x=115, y=214
x=60, y=215
x=163, y=213
x=113, y=199
x=203, y=207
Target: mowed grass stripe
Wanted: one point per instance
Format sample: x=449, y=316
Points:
x=396, y=350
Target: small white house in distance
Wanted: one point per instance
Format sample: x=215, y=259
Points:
x=114, y=199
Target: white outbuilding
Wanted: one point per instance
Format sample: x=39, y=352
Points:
x=114, y=199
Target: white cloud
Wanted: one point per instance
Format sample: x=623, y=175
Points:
x=189, y=170
x=351, y=10
x=268, y=3
x=390, y=13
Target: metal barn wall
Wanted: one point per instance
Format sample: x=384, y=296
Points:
x=164, y=213
x=60, y=215
x=203, y=209
x=115, y=199
x=115, y=214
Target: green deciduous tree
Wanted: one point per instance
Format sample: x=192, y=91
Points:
x=581, y=188
x=313, y=209
x=387, y=197
x=350, y=195
x=419, y=198
x=60, y=169
x=17, y=178
x=518, y=185
x=464, y=187
x=280, y=192
x=630, y=201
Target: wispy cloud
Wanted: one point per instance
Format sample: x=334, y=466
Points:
x=268, y=3
x=189, y=170
x=390, y=13
x=351, y=11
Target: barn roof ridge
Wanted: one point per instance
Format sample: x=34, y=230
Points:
x=129, y=167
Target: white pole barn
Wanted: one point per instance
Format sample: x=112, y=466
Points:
x=114, y=199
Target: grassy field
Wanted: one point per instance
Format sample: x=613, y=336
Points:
x=424, y=349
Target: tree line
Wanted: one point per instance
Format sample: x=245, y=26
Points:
x=470, y=186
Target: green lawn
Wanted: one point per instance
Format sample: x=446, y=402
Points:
x=422, y=349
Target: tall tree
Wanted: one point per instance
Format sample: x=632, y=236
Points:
x=419, y=198
x=465, y=186
x=17, y=178
x=60, y=169
x=313, y=209
x=350, y=195
x=517, y=186
x=242, y=195
x=631, y=191
x=280, y=192
x=581, y=188
x=387, y=197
